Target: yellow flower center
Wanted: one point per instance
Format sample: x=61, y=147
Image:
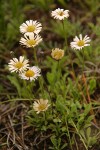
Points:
x=57, y=54
x=30, y=28
x=80, y=43
x=61, y=13
x=19, y=65
x=42, y=107
x=29, y=73
x=31, y=42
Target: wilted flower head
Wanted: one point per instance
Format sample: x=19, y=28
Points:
x=41, y=105
x=79, y=43
x=30, y=26
x=30, y=40
x=60, y=14
x=31, y=74
x=57, y=53
x=20, y=65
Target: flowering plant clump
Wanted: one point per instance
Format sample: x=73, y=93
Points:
x=59, y=102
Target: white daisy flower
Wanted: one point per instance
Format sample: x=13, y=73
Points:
x=57, y=53
x=60, y=14
x=40, y=105
x=30, y=26
x=31, y=74
x=20, y=65
x=30, y=40
x=79, y=43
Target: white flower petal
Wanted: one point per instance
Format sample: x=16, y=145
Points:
x=40, y=105
x=60, y=14
x=30, y=40
x=18, y=65
x=36, y=73
x=79, y=43
x=30, y=26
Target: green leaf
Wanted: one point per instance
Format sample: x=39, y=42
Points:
x=92, y=86
x=87, y=109
x=53, y=140
x=15, y=82
x=60, y=104
x=51, y=78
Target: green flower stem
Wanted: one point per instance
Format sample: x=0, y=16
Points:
x=44, y=118
x=35, y=57
x=73, y=71
x=40, y=78
x=68, y=133
x=79, y=135
x=83, y=61
x=64, y=34
x=59, y=70
x=27, y=88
